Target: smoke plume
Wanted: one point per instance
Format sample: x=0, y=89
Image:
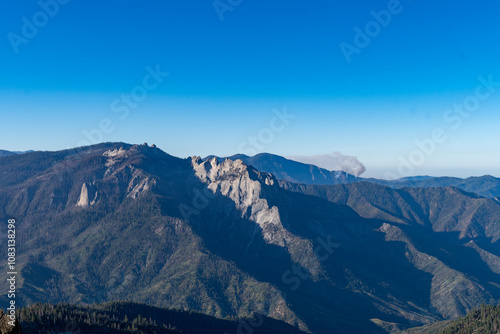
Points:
x=334, y=162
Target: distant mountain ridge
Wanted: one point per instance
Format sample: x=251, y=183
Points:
x=293, y=171
x=486, y=186
x=297, y=172
x=4, y=153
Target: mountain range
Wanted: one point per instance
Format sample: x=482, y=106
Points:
x=292, y=171
x=4, y=153
x=233, y=237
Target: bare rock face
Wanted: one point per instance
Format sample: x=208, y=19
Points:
x=117, y=167
x=248, y=188
x=138, y=185
x=234, y=179
x=88, y=196
x=118, y=170
x=6, y=328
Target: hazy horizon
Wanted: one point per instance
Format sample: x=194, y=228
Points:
x=377, y=172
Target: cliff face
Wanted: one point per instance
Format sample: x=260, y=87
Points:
x=245, y=187
x=248, y=190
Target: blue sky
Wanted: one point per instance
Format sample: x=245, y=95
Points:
x=226, y=78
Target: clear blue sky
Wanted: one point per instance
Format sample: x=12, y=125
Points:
x=227, y=76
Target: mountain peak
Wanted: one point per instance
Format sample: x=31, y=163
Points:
x=215, y=169
x=248, y=188
x=293, y=171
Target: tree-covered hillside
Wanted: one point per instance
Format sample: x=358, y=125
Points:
x=134, y=318
x=483, y=320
